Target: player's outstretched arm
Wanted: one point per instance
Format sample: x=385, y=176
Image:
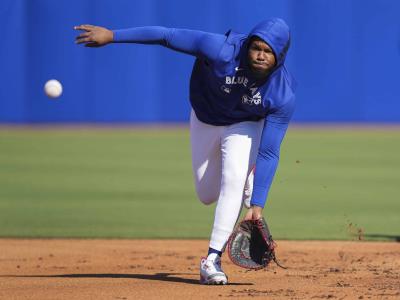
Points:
x=197, y=43
x=194, y=42
x=94, y=36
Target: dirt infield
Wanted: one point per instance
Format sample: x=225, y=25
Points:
x=167, y=269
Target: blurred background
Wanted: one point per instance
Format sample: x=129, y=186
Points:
x=95, y=178
x=345, y=56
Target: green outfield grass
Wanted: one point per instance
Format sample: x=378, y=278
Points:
x=137, y=183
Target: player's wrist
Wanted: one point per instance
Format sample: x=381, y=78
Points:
x=257, y=212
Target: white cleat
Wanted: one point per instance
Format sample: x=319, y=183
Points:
x=211, y=272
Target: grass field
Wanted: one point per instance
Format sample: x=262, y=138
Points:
x=332, y=183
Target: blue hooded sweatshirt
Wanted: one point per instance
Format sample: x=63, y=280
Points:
x=223, y=90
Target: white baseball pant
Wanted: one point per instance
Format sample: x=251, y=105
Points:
x=222, y=159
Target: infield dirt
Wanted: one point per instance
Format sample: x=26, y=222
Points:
x=168, y=269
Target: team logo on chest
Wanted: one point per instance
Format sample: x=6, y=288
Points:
x=253, y=97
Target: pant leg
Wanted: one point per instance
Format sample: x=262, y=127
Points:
x=206, y=159
x=239, y=143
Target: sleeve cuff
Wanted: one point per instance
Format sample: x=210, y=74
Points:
x=259, y=196
x=116, y=36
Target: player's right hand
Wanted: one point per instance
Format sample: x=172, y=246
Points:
x=94, y=36
x=254, y=213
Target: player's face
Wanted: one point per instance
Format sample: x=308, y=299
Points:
x=261, y=58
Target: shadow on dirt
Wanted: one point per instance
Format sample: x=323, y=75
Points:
x=170, y=277
x=392, y=237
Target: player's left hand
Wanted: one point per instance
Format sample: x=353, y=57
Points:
x=94, y=36
x=254, y=213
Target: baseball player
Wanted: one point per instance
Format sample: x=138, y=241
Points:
x=242, y=99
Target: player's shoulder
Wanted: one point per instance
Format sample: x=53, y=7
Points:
x=284, y=79
x=280, y=88
x=232, y=46
x=235, y=38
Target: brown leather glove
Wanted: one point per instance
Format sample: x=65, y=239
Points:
x=251, y=245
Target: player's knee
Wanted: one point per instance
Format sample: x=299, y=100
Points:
x=205, y=196
x=207, y=200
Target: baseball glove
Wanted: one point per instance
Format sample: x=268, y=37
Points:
x=251, y=246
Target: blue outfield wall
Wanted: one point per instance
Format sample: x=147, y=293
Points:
x=345, y=56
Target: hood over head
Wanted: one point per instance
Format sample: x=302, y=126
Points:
x=275, y=32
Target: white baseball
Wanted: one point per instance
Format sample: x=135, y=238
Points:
x=53, y=88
